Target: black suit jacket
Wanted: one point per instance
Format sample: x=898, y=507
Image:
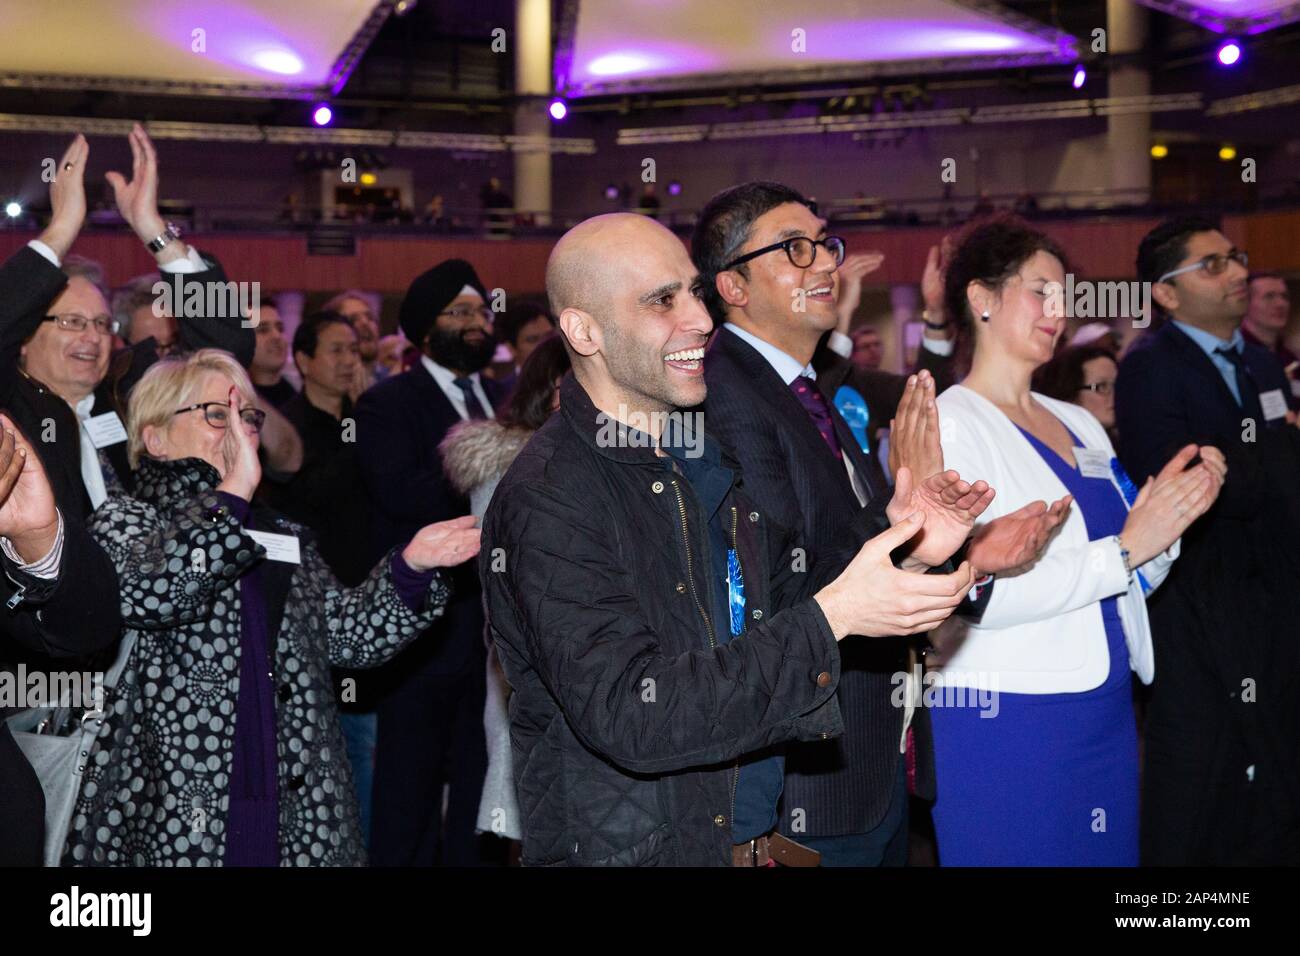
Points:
x=400, y=422
x=843, y=785
x=1221, y=781
x=28, y=284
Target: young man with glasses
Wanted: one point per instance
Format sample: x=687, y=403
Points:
x=430, y=727
x=769, y=277
x=1221, y=783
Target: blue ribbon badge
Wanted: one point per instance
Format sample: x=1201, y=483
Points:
x=853, y=407
x=735, y=593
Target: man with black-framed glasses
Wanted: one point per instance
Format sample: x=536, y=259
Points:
x=769, y=277
x=1221, y=775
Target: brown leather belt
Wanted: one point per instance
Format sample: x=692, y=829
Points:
x=773, y=846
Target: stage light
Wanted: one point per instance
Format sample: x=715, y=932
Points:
x=674, y=188
x=322, y=115
x=403, y=7
x=558, y=109
x=369, y=179
x=13, y=210
x=1230, y=53
x=278, y=61
x=1159, y=151
x=611, y=192
x=1227, y=152
x=1080, y=77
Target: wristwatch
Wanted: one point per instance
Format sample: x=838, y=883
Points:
x=936, y=326
x=159, y=242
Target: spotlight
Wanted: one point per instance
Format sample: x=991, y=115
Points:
x=558, y=109
x=13, y=209
x=403, y=7
x=1159, y=151
x=1227, y=152
x=369, y=179
x=611, y=192
x=674, y=188
x=1230, y=53
x=322, y=115
x=1080, y=76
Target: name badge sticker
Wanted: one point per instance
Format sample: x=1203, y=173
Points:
x=1093, y=463
x=1274, y=403
x=279, y=547
x=105, y=430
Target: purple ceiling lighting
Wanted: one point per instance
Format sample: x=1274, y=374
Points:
x=1242, y=17
x=322, y=115
x=627, y=46
x=1080, y=77
x=558, y=109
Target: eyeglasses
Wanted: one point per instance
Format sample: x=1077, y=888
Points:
x=1104, y=387
x=800, y=250
x=76, y=322
x=1213, y=265
x=465, y=313
x=217, y=414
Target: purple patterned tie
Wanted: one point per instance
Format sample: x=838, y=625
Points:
x=814, y=403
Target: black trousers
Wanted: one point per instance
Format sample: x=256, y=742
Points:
x=22, y=806
x=430, y=735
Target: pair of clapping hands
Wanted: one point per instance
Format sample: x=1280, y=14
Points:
x=931, y=518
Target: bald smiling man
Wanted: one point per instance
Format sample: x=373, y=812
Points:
x=660, y=634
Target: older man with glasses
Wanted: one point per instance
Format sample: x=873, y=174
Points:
x=57, y=334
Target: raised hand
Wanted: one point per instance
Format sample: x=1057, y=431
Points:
x=1170, y=501
x=28, y=516
x=873, y=598
x=444, y=544
x=241, y=470
x=68, y=198
x=950, y=506
x=849, y=294
x=914, y=430
x=1011, y=544
x=137, y=200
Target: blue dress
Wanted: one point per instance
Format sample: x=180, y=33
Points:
x=1052, y=780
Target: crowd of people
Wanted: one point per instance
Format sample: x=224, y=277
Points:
x=740, y=597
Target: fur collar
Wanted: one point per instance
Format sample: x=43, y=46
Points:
x=476, y=452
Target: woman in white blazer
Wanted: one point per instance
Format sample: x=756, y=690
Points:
x=1035, y=739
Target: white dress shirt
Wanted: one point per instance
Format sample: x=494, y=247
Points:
x=446, y=380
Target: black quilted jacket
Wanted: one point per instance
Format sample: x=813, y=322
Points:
x=626, y=719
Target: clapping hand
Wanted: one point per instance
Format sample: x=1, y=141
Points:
x=851, y=273
x=137, y=200
x=28, y=516
x=444, y=544
x=68, y=198
x=241, y=471
x=1011, y=544
x=1170, y=501
x=950, y=506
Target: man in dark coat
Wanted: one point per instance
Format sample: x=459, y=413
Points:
x=661, y=633
x=430, y=727
x=1221, y=775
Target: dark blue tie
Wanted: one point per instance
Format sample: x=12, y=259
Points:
x=473, y=407
x=1246, y=388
